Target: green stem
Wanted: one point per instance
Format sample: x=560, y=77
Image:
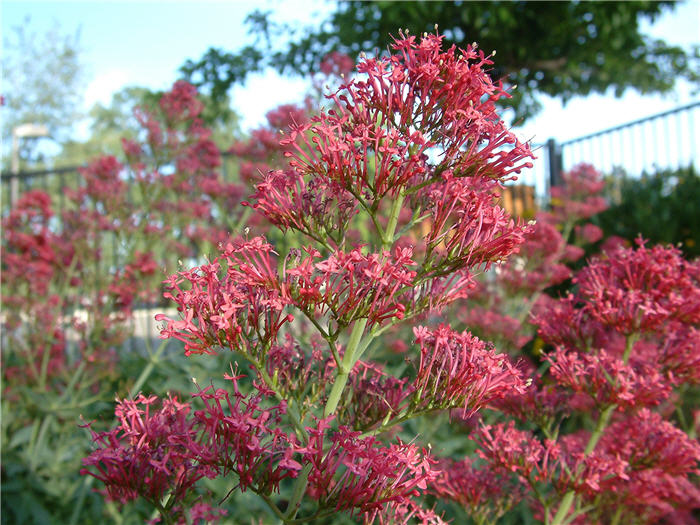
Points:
x=152, y=362
x=274, y=508
x=78, y=508
x=292, y=411
x=388, y=237
x=298, y=492
x=603, y=421
x=356, y=346
x=568, y=498
x=33, y=454
x=163, y=512
x=618, y=514
x=345, y=367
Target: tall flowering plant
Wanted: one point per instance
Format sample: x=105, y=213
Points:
x=314, y=425
x=387, y=213
x=499, y=308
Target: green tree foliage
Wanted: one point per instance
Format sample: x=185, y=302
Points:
x=562, y=49
x=43, y=83
x=661, y=207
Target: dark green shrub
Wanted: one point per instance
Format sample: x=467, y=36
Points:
x=663, y=207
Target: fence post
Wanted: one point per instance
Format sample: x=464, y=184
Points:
x=555, y=162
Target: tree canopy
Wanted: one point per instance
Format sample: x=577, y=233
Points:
x=562, y=49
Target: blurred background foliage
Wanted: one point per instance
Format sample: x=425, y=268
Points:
x=663, y=207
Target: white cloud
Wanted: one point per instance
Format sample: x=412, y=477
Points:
x=263, y=92
x=104, y=85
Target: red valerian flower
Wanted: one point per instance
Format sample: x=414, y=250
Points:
x=638, y=290
x=484, y=492
x=374, y=395
x=288, y=201
x=656, y=463
x=300, y=372
x=562, y=322
x=380, y=136
x=578, y=197
x=459, y=370
x=518, y=451
x=33, y=252
x=607, y=379
x=468, y=229
x=243, y=435
x=352, y=285
x=362, y=475
x=336, y=63
x=152, y=453
x=677, y=353
x=180, y=104
x=242, y=310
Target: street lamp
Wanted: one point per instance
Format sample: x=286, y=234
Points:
x=22, y=131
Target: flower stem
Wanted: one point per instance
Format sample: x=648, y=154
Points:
x=388, y=237
x=356, y=344
x=153, y=360
x=345, y=367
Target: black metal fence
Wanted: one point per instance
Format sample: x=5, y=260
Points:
x=667, y=140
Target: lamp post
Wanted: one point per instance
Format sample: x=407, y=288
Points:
x=22, y=131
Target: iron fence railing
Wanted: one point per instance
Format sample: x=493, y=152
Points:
x=667, y=140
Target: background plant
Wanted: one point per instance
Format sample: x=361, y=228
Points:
x=659, y=206
x=72, y=278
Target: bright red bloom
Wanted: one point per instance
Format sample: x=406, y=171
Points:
x=288, y=201
x=352, y=285
x=578, y=197
x=361, y=474
x=152, y=453
x=511, y=450
x=643, y=464
x=427, y=97
x=482, y=491
x=607, y=379
x=638, y=290
x=468, y=229
x=242, y=310
x=459, y=370
x=243, y=435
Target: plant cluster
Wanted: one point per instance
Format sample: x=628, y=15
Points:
x=389, y=200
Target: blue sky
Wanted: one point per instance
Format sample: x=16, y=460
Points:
x=144, y=42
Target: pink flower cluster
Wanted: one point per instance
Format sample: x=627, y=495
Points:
x=153, y=453
x=242, y=310
x=352, y=473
